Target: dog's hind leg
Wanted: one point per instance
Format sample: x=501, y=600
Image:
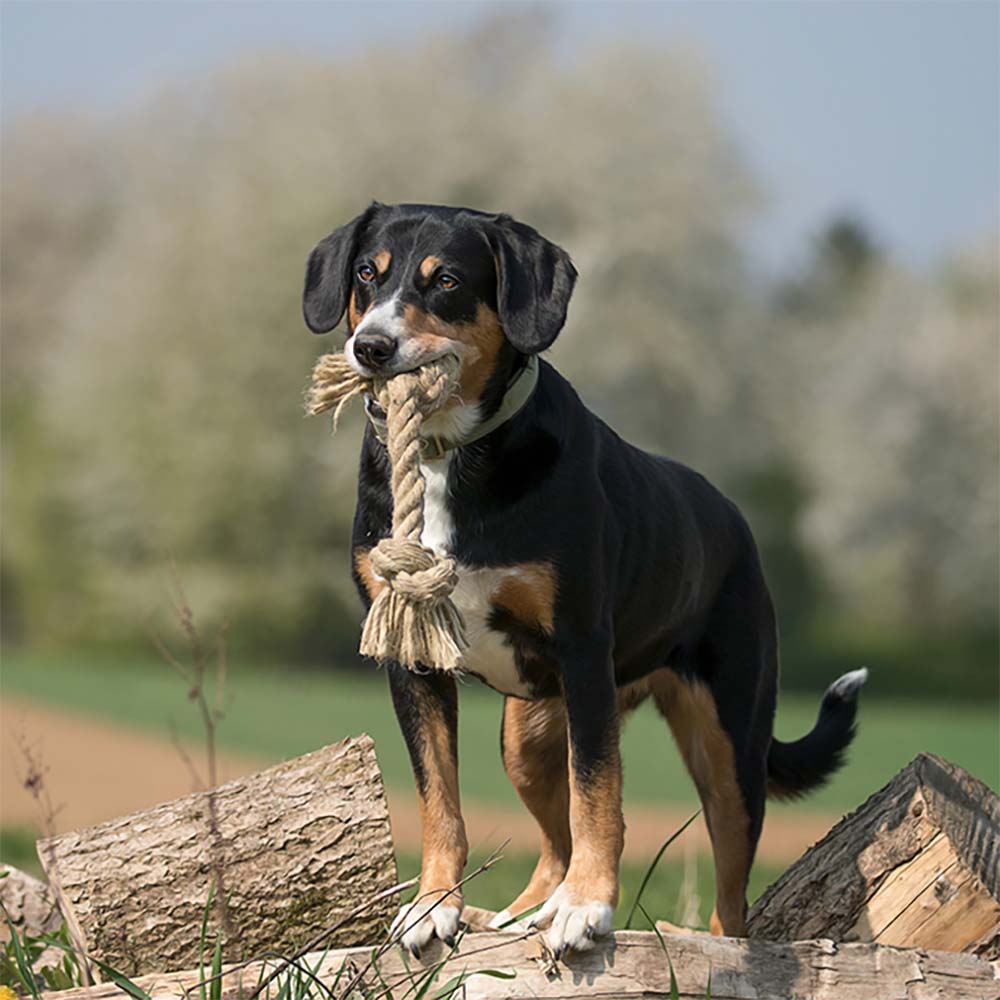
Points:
x=722, y=726
x=535, y=756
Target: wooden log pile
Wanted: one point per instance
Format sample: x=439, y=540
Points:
x=900, y=900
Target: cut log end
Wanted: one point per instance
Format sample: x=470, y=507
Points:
x=918, y=865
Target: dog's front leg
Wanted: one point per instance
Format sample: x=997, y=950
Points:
x=427, y=708
x=581, y=908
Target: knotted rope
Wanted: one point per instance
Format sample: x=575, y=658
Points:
x=412, y=619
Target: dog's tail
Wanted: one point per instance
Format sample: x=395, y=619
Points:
x=794, y=769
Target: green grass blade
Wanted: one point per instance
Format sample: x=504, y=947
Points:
x=215, y=991
x=20, y=958
x=675, y=993
x=453, y=984
x=203, y=939
x=654, y=863
x=449, y=989
x=122, y=981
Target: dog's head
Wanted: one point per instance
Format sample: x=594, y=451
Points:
x=421, y=281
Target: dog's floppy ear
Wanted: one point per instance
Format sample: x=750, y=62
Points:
x=535, y=280
x=328, y=273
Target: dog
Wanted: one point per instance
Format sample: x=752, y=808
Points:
x=592, y=576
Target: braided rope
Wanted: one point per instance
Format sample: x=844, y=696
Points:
x=413, y=619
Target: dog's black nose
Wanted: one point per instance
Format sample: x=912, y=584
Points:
x=373, y=350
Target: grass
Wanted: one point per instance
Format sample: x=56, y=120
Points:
x=278, y=713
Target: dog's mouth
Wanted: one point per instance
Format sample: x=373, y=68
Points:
x=373, y=409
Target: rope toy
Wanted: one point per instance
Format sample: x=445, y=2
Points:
x=412, y=619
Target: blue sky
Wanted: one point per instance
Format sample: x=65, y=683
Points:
x=888, y=110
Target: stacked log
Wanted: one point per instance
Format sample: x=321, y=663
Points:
x=917, y=865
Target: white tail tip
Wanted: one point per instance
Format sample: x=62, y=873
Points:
x=846, y=687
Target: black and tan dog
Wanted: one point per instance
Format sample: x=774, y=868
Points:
x=593, y=575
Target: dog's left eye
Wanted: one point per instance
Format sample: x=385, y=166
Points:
x=447, y=282
x=366, y=272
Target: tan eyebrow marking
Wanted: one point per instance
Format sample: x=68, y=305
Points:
x=428, y=264
x=382, y=259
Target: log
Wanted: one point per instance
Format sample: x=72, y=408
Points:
x=28, y=902
x=917, y=865
x=627, y=964
x=298, y=846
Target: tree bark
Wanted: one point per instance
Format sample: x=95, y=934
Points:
x=297, y=847
x=627, y=964
x=917, y=865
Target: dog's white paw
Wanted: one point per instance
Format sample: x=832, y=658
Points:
x=503, y=921
x=421, y=920
x=575, y=923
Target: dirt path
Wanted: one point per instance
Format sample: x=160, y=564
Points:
x=96, y=770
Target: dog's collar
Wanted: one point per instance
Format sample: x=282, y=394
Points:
x=519, y=391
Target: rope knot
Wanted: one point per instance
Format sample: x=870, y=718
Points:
x=414, y=571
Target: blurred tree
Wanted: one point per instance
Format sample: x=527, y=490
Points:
x=773, y=498
x=892, y=415
x=845, y=257
x=154, y=355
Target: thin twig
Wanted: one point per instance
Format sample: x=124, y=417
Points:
x=196, y=676
x=34, y=781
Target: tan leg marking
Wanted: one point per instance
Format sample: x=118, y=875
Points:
x=362, y=563
x=535, y=756
x=708, y=753
x=597, y=829
x=528, y=592
x=631, y=696
x=443, y=830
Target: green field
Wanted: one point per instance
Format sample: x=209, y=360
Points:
x=278, y=713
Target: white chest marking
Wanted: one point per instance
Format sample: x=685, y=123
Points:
x=438, y=525
x=488, y=656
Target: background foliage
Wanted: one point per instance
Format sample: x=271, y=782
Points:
x=154, y=355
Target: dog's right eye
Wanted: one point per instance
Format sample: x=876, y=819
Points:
x=366, y=272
